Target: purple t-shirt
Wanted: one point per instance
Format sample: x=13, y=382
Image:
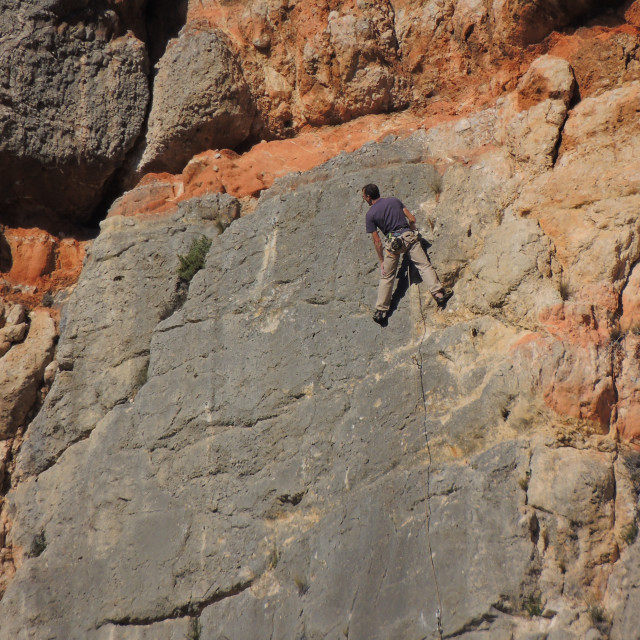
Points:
x=387, y=215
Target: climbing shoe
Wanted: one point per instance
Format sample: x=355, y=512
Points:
x=442, y=296
x=379, y=316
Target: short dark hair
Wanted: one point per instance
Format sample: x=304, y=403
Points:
x=372, y=191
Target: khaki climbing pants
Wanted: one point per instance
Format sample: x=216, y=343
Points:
x=410, y=243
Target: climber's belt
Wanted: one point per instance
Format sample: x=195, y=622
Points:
x=395, y=240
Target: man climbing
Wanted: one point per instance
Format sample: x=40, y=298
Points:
x=398, y=227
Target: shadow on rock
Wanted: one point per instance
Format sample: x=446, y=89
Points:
x=6, y=261
x=402, y=283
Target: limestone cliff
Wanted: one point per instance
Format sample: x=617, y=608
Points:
x=251, y=456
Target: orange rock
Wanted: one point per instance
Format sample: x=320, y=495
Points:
x=598, y=55
x=573, y=378
x=153, y=193
x=632, y=15
x=69, y=256
x=224, y=171
x=39, y=262
x=32, y=255
x=578, y=397
x=572, y=359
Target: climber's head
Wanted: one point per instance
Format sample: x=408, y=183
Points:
x=370, y=193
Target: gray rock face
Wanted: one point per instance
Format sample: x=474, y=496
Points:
x=73, y=93
x=257, y=499
x=625, y=587
x=135, y=260
x=266, y=462
x=201, y=101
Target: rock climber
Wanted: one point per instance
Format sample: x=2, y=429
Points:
x=398, y=227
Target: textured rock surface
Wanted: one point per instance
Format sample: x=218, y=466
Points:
x=254, y=457
x=602, y=58
x=22, y=368
x=23, y=360
x=286, y=64
x=536, y=112
x=65, y=67
x=136, y=259
x=201, y=101
x=314, y=62
x=258, y=454
x=586, y=206
x=320, y=62
x=323, y=63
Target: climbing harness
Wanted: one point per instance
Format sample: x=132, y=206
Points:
x=417, y=359
x=395, y=241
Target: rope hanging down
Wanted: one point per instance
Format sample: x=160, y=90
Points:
x=417, y=359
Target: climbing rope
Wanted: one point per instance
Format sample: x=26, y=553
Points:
x=417, y=359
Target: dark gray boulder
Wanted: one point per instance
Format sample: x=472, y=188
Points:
x=73, y=96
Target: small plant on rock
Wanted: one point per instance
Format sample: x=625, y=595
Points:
x=629, y=533
x=194, y=260
x=274, y=557
x=141, y=377
x=38, y=545
x=564, y=289
x=616, y=335
x=194, y=629
x=533, y=605
x=301, y=585
x=524, y=482
x=596, y=614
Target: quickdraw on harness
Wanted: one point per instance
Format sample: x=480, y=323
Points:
x=395, y=240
